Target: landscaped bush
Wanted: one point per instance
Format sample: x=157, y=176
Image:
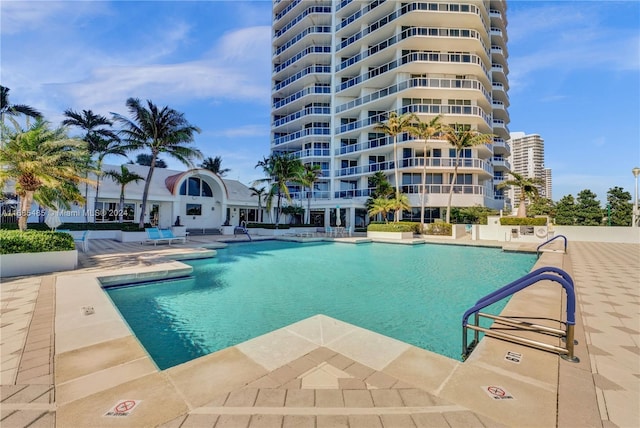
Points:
x=267, y=226
x=394, y=227
x=127, y=227
x=33, y=241
x=440, y=229
x=523, y=221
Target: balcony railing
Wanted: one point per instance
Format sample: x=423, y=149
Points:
x=433, y=163
x=410, y=7
x=311, y=153
x=378, y=142
x=302, y=113
x=452, y=57
x=312, y=69
x=417, y=83
x=315, y=90
x=413, y=32
x=305, y=13
x=307, y=31
x=297, y=57
x=302, y=133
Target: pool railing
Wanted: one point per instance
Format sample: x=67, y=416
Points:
x=517, y=323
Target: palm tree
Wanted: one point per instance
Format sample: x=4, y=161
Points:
x=6, y=108
x=41, y=158
x=144, y=159
x=425, y=131
x=280, y=169
x=401, y=203
x=394, y=126
x=214, y=165
x=260, y=193
x=123, y=178
x=460, y=137
x=308, y=177
x=381, y=206
x=528, y=189
x=100, y=141
x=162, y=130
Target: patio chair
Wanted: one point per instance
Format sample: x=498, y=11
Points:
x=82, y=241
x=168, y=234
x=153, y=235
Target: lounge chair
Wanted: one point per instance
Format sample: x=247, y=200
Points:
x=153, y=235
x=83, y=241
x=168, y=234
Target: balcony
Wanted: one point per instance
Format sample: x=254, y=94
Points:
x=501, y=162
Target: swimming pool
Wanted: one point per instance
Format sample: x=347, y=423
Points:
x=413, y=293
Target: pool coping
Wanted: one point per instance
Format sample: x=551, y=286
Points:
x=97, y=356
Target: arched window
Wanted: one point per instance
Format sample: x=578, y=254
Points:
x=194, y=186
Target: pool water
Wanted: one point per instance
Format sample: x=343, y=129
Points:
x=413, y=293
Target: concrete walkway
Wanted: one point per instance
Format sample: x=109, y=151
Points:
x=323, y=387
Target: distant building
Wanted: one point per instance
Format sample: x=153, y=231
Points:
x=527, y=159
x=547, y=183
x=341, y=67
x=198, y=198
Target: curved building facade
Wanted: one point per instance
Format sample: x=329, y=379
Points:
x=340, y=67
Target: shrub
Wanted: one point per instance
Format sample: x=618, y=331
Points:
x=33, y=241
x=127, y=227
x=440, y=229
x=394, y=227
x=523, y=221
x=267, y=226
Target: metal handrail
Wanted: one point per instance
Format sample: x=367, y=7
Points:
x=542, y=274
x=551, y=240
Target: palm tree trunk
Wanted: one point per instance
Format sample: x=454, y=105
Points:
x=25, y=208
x=424, y=187
x=396, y=215
x=121, y=213
x=453, y=182
x=97, y=190
x=145, y=193
x=309, y=206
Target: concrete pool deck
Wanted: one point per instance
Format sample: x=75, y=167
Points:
x=318, y=372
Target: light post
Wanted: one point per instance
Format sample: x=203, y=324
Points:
x=634, y=223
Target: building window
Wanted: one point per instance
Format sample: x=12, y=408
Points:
x=110, y=212
x=196, y=187
x=194, y=209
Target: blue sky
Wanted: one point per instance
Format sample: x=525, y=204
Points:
x=574, y=75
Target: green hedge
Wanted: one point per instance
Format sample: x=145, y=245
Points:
x=394, y=227
x=523, y=221
x=267, y=226
x=127, y=227
x=440, y=229
x=33, y=241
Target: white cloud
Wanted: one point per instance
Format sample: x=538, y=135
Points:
x=26, y=16
x=563, y=38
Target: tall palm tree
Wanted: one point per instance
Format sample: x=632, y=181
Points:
x=460, y=137
x=39, y=158
x=528, y=189
x=394, y=126
x=425, y=131
x=214, y=165
x=123, y=178
x=100, y=140
x=8, y=109
x=280, y=169
x=308, y=178
x=144, y=159
x=161, y=130
x=260, y=193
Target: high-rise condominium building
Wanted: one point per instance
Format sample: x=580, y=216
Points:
x=341, y=67
x=527, y=159
x=547, y=183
